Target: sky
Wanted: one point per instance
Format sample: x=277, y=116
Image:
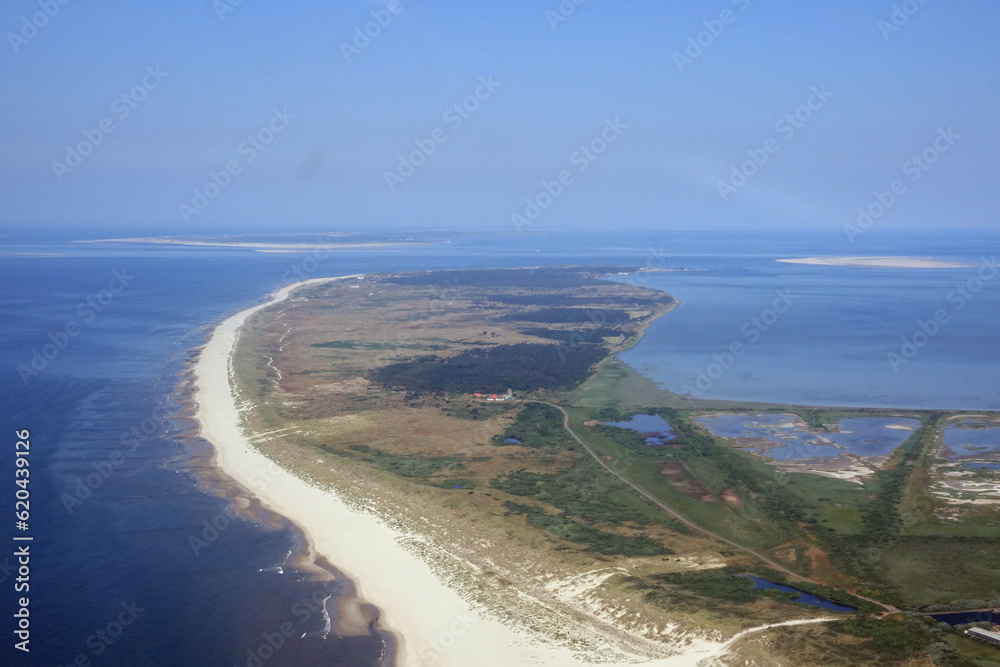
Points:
x=202, y=117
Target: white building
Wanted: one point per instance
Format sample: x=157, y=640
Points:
x=979, y=633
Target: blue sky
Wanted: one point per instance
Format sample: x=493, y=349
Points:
x=344, y=122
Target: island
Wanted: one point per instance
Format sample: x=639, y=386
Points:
x=467, y=448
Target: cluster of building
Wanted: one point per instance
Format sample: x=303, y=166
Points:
x=494, y=397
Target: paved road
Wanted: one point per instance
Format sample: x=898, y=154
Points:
x=666, y=508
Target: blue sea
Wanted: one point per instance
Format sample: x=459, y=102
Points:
x=138, y=556
x=751, y=328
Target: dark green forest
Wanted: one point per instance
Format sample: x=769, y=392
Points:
x=522, y=367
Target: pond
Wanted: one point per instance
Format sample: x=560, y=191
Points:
x=975, y=465
x=969, y=437
x=654, y=428
x=513, y=440
x=803, y=597
x=965, y=617
x=873, y=436
x=790, y=437
x=864, y=436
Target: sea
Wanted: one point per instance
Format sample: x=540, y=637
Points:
x=136, y=552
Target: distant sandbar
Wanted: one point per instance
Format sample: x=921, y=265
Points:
x=881, y=262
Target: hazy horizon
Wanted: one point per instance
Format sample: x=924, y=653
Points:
x=670, y=100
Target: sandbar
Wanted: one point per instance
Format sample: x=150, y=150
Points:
x=880, y=262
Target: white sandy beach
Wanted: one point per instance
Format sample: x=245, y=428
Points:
x=436, y=627
x=879, y=262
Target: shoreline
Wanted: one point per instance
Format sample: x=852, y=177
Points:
x=432, y=625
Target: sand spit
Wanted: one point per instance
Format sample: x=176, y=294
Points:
x=880, y=262
x=433, y=623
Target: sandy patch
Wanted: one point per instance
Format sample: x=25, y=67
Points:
x=879, y=262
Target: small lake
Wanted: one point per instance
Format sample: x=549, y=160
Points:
x=966, y=440
x=965, y=617
x=803, y=597
x=864, y=436
x=974, y=465
x=792, y=439
x=654, y=428
x=873, y=436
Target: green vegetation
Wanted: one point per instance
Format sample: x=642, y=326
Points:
x=936, y=569
x=722, y=584
x=890, y=639
x=593, y=539
x=738, y=471
x=582, y=492
x=685, y=479
x=726, y=584
x=474, y=410
x=419, y=467
x=522, y=367
x=863, y=554
x=599, y=316
x=538, y=426
x=582, y=496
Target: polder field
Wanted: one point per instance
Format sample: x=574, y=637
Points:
x=369, y=386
